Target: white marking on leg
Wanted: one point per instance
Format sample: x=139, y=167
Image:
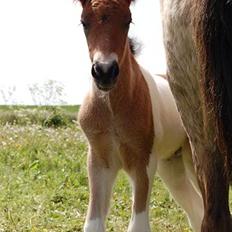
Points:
x=152, y=166
x=96, y=225
x=139, y=223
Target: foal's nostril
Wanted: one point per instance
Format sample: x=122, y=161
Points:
x=101, y=71
x=114, y=70
x=97, y=71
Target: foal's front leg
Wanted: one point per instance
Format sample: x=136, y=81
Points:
x=102, y=170
x=142, y=177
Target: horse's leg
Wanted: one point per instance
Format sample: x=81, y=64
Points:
x=142, y=177
x=102, y=171
x=215, y=189
x=173, y=173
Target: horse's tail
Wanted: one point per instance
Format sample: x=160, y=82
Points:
x=214, y=40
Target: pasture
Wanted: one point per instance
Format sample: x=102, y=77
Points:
x=43, y=178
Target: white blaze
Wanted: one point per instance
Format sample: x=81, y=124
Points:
x=105, y=60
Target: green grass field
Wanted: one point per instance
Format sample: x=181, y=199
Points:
x=44, y=185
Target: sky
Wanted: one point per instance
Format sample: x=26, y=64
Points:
x=43, y=40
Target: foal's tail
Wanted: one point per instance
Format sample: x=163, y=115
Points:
x=214, y=39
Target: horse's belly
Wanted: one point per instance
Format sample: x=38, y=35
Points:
x=173, y=139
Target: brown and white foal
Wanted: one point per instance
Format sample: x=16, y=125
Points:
x=131, y=123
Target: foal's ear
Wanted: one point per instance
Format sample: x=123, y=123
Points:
x=81, y=1
x=129, y=1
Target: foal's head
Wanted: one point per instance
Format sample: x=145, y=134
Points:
x=106, y=24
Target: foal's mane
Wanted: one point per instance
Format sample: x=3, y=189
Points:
x=135, y=46
x=83, y=2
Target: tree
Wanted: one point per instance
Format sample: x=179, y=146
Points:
x=8, y=95
x=50, y=92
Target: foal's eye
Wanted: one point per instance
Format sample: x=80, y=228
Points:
x=84, y=24
x=128, y=23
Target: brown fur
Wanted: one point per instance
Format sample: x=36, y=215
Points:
x=121, y=117
x=124, y=115
x=195, y=68
x=97, y=38
x=119, y=124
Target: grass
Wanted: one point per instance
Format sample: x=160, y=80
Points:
x=67, y=108
x=43, y=115
x=44, y=185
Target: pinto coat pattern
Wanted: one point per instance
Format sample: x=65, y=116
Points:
x=131, y=122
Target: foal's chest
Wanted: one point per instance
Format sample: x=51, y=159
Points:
x=131, y=131
x=134, y=144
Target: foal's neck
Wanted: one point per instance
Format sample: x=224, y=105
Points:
x=129, y=86
x=128, y=80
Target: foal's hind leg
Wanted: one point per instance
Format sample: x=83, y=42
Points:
x=177, y=181
x=102, y=170
x=189, y=167
x=142, y=179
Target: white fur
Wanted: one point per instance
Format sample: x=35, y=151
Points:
x=151, y=170
x=139, y=223
x=174, y=176
x=169, y=137
x=102, y=181
x=105, y=60
x=169, y=131
x=96, y=225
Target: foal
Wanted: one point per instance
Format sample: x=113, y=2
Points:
x=131, y=123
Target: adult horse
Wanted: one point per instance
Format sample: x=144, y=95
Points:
x=198, y=43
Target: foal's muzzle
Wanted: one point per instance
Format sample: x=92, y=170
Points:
x=105, y=75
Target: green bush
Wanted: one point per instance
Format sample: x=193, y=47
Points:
x=56, y=120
